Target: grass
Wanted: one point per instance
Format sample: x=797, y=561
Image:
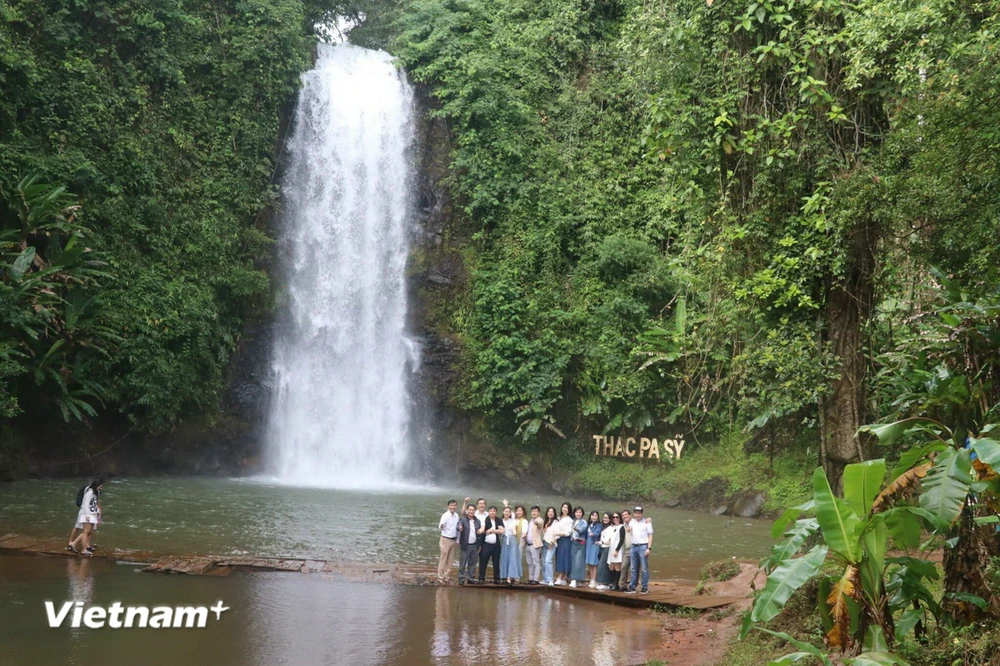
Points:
x=720, y=570
x=676, y=611
x=787, y=485
x=754, y=650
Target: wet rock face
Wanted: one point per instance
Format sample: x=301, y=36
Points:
x=707, y=495
x=248, y=388
x=436, y=278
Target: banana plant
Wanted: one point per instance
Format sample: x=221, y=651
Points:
x=953, y=473
x=860, y=586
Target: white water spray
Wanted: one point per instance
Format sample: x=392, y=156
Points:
x=339, y=416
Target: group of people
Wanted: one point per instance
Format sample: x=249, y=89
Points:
x=607, y=551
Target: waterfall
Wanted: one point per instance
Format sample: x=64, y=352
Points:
x=339, y=416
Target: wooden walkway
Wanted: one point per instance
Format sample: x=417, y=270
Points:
x=664, y=595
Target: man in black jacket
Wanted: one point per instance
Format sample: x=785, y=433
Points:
x=468, y=539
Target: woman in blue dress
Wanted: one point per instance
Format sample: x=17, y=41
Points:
x=564, y=554
x=594, y=529
x=510, y=550
x=578, y=572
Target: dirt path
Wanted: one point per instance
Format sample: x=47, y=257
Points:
x=702, y=639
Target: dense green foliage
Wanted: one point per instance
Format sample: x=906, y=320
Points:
x=715, y=214
x=719, y=215
x=162, y=118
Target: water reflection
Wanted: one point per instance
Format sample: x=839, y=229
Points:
x=500, y=627
x=310, y=620
x=81, y=587
x=297, y=619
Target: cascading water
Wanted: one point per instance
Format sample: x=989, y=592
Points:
x=339, y=415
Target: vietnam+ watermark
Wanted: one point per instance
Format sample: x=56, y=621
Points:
x=117, y=616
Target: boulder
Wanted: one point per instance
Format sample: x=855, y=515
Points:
x=673, y=502
x=721, y=510
x=750, y=504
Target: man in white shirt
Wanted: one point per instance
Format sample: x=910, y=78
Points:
x=642, y=543
x=449, y=539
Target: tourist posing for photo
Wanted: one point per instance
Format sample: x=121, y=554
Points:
x=604, y=574
x=642, y=544
x=564, y=549
x=594, y=529
x=550, y=537
x=510, y=551
x=578, y=538
x=468, y=554
x=533, y=546
x=448, y=541
x=616, y=550
x=624, y=578
x=489, y=546
x=520, y=515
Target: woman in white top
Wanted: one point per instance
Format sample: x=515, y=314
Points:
x=88, y=517
x=549, y=537
x=564, y=547
x=616, y=548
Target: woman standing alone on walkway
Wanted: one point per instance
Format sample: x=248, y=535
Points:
x=88, y=518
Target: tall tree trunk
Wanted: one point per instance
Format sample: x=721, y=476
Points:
x=848, y=306
x=964, y=567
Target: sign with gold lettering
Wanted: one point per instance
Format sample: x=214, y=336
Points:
x=643, y=447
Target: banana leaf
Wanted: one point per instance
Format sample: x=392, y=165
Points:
x=947, y=485
x=862, y=483
x=783, y=581
x=837, y=520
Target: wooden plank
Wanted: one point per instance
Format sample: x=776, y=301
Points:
x=240, y=561
x=216, y=570
x=288, y=565
x=192, y=565
x=164, y=563
x=18, y=543
x=50, y=548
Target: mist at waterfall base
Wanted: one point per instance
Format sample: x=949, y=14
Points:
x=339, y=416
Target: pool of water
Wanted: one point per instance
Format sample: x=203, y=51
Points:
x=253, y=517
x=308, y=620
